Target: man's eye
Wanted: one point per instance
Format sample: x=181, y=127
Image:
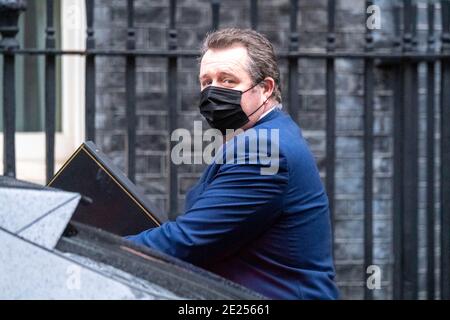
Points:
x=228, y=81
x=206, y=83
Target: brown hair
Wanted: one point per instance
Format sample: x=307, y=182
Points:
x=259, y=49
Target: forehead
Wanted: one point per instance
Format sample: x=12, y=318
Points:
x=230, y=60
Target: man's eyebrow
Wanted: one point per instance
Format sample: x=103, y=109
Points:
x=230, y=72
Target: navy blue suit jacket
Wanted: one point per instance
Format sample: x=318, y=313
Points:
x=268, y=232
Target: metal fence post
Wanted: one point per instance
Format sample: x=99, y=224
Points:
x=130, y=85
x=50, y=94
x=430, y=157
x=368, y=155
x=90, y=91
x=445, y=153
x=398, y=135
x=172, y=102
x=293, y=85
x=9, y=18
x=410, y=163
x=331, y=110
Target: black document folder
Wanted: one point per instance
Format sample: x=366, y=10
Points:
x=113, y=203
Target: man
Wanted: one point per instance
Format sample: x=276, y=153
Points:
x=268, y=232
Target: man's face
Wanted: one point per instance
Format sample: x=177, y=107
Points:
x=228, y=68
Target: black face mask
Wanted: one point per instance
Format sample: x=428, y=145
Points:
x=222, y=108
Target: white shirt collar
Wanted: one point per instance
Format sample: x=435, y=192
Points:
x=277, y=106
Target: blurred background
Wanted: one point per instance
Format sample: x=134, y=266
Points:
x=367, y=81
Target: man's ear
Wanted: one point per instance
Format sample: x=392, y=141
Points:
x=268, y=85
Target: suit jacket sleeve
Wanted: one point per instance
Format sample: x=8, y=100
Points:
x=236, y=207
